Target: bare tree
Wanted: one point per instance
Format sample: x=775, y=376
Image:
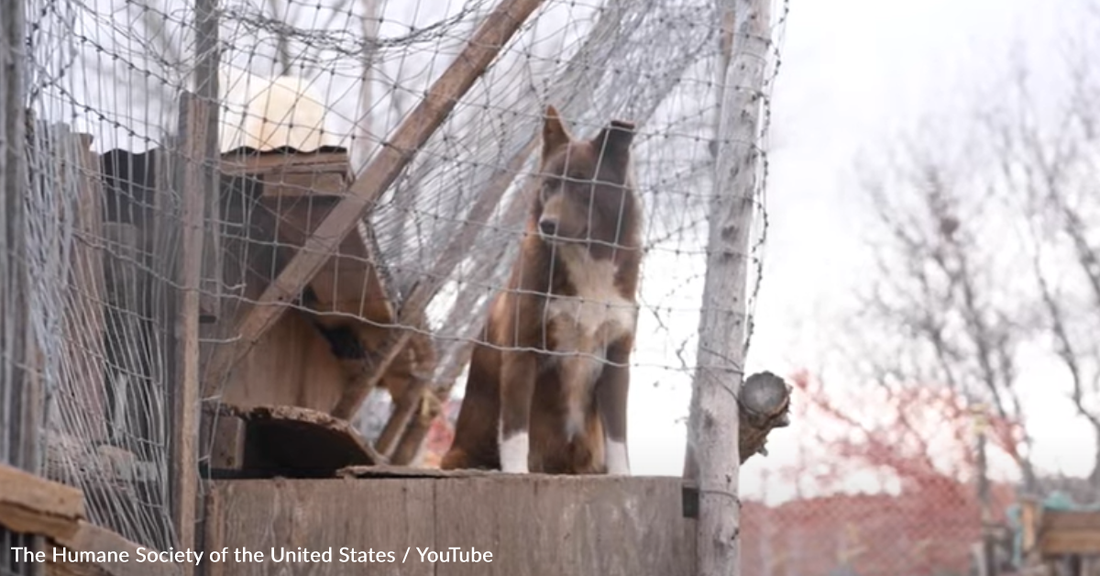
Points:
x=936, y=285
x=1047, y=158
x=992, y=245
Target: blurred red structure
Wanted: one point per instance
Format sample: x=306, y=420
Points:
x=917, y=440
x=916, y=432
x=921, y=532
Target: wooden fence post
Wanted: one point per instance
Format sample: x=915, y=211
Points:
x=713, y=454
x=20, y=400
x=196, y=180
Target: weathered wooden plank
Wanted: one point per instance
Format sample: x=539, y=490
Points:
x=293, y=365
x=276, y=163
x=195, y=180
x=295, y=185
x=418, y=126
x=403, y=406
x=19, y=433
x=225, y=439
x=543, y=525
x=211, y=282
x=1056, y=520
x=1050, y=533
x=1065, y=542
x=416, y=432
x=387, y=471
x=534, y=525
x=213, y=534
x=289, y=439
x=34, y=505
x=378, y=515
x=349, y=282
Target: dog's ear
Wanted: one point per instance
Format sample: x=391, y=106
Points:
x=554, y=133
x=613, y=142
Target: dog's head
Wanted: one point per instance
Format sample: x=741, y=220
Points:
x=584, y=193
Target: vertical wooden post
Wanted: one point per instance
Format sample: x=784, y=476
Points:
x=198, y=180
x=20, y=410
x=206, y=142
x=713, y=454
x=195, y=164
x=18, y=440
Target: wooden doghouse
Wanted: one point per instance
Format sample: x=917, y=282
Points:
x=317, y=356
x=321, y=355
x=1051, y=535
x=276, y=180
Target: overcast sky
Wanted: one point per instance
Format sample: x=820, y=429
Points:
x=853, y=73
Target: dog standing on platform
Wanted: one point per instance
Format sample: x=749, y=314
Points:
x=547, y=387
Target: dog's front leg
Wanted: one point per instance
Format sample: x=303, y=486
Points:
x=611, y=397
x=517, y=389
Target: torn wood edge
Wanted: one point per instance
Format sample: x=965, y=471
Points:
x=390, y=471
x=31, y=504
x=271, y=413
x=285, y=162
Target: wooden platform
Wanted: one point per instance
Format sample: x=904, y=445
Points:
x=533, y=525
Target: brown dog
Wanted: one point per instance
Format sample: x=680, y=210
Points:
x=552, y=375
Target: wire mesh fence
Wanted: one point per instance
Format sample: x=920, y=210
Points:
x=318, y=200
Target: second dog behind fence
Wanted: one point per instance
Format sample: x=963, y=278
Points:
x=548, y=385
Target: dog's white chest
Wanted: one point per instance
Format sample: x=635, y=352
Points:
x=597, y=315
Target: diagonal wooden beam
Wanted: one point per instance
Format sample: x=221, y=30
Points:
x=495, y=31
x=411, y=314
x=34, y=505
